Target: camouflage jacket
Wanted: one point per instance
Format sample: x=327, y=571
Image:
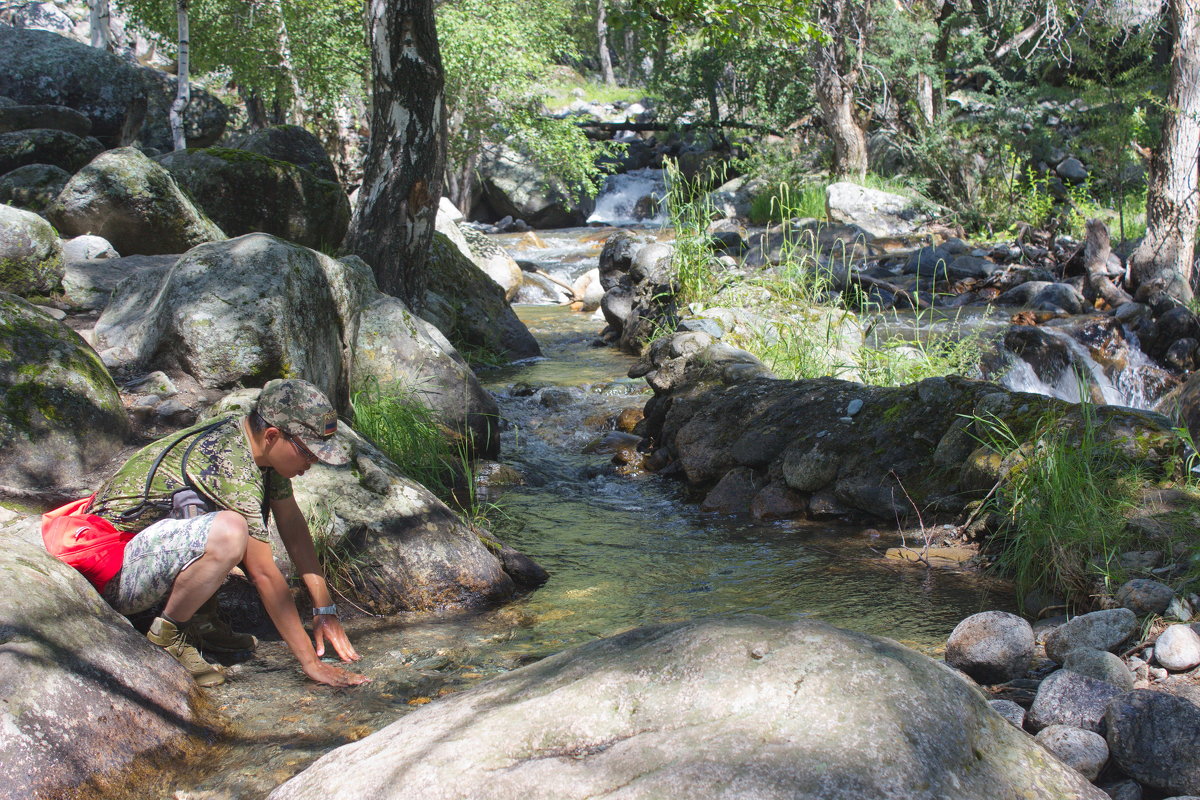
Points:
x=220, y=465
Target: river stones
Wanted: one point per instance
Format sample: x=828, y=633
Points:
x=1068, y=698
x=991, y=647
x=1082, y=750
x=1099, y=630
x=1177, y=648
x=1143, y=596
x=768, y=709
x=1155, y=739
x=81, y=691
x=1013, y=712
x=1101, y=665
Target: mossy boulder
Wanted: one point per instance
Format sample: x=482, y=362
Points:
x=60, y=118
x=43, y=68
x=134, y=203
x=46, y=146
x=203, y=124
x=60, y=415
x=33, y=187
x=292, y=144
x=245, y=193
x=31, y=259
x=82, y=692
x=469, y=307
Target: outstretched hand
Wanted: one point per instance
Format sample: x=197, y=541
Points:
x=330, y=675
x=330, y=627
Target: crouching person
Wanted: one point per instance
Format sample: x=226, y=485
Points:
x=197, y=502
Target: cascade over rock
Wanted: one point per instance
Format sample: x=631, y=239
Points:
x=769, y=708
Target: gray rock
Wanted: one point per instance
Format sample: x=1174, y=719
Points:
x=203, y=123
x=40, y=68
x=85, y=248
x=809, y=469
x=244, y=192
x=1068, y=698
x=156, y=383
x=733, y=493
x=59, y=118
x=767, y=709
x=878, y=213
x=1101, y=665
x=1143, y=596
x=1072, y=169
x=133, y=203
x=32, y=187
x=1022, y=294
x=1155, y=739
x=1059, y=296
x=89, y=284
x=1099, y=630
x=1123, y=790
x=495, y=261
x=30, y=253
x=991, y=647
x=1177, y=648
x=77, y=681
x=1013, y=712
x=292, y=144
x=43, y=146
x=967, y=266
x=1081, y=750
x=60, y=417
x=513, y=186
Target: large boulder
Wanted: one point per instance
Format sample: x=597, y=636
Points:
x=59, y=118
x=469, y=307
x=292, y=144
x=1155, y=739
x=513, y=186
x=30, y=253
x=46, y=146
x=42, y=68
x=877, y=212
x=60, y=415
x=245, y=193
x=991, y=647
x=134, y=203
x=242, y=311
x=394, y=346
x=487, y=255
x=82, y=692
x=204, y=120
x=1099, y=630
x=739, y=706
x=89, y=284
x=33, y=187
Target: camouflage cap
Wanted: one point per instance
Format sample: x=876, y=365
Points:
x=300, y=410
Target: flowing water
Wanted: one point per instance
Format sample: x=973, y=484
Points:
x=622, y=551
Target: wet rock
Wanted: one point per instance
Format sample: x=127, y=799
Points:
x=83, y=693
x=1021, y=294
x=134, y=203
x=1182, y=355
x=733, y=493
x=30, y=253
x=991, y=647
x=1011, y=711
x=1155, y=739
x=42, y=68
x=807, y=470
x=1101, y=665
x=1059, y=296
x=1068, y=698
x=1099, y=630
x=1081, y=750
x=1177, y=648
x=1143, y=596
x=44, y=146
x=777, y=501
x=587, y=723
x=628, y=419
x=244, y=192
x=32, y=187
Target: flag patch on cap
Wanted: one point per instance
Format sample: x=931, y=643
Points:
x=330, y=424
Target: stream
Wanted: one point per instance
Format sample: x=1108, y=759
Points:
x=622, y=551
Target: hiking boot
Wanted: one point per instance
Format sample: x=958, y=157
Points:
x=208, y=631
x=174, y=641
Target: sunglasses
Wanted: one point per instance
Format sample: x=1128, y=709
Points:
x=300, y=448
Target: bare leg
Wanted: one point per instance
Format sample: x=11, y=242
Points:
x=201, y=579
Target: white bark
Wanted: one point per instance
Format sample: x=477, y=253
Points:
x=606, y=66
x=297, y=109
x=183, y=95
x=100, y=24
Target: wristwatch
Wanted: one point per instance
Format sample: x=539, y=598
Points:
x=325, y=611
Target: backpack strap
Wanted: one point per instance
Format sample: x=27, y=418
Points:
x=142, y=507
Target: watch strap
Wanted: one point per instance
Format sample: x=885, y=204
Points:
x=323, y=611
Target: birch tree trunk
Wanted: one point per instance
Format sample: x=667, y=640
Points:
x=98, y=22
x=183, y=93
x=1163, y=261
x=402, y=178
x=297, y=109
x=606, y=65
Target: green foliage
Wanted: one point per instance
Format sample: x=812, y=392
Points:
x=694, y=277
x=403, y=426
x=806, y=201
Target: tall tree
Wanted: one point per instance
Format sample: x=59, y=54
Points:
x=838, y=58
x=402, y=178
x=1163, y=261
x=100, y=26
x=183, y=92
x=606, y=65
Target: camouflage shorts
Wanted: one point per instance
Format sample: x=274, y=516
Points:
x=153, y=559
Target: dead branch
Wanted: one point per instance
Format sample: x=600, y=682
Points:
x=1097, y=249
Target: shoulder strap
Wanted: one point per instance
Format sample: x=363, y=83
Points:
x=141, y=507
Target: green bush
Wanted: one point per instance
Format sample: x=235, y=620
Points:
x=404, y=427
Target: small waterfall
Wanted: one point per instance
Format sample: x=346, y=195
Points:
x=632, y=198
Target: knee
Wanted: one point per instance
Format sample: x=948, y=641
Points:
x=228, y=536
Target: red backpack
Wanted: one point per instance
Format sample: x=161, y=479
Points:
x=85, y=541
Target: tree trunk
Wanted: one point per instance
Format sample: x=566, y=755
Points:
x=183, y=92
x=606, y=67
x=101, y=30
x=256, y=110
x=1163, y=261
x=925, y=99
x=402, y=178
x=297, y=112
x=838, y=64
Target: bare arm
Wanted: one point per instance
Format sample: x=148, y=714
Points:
x=277, y=599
